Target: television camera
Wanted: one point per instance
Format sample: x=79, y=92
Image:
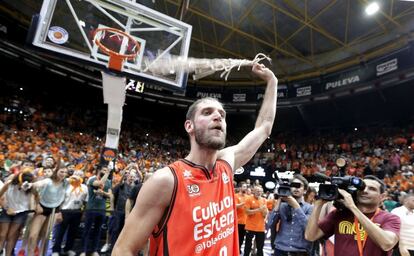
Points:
x=351, y=184
x=329, y=192
x=284, y=183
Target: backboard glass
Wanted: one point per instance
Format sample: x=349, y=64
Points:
x=68, y=27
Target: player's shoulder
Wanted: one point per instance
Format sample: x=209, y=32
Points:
x=227, y=155
x=162, y=179
x=159, y=187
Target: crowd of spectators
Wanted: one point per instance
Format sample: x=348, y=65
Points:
x=385, y=152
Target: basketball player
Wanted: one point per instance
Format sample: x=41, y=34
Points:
x=188, y=208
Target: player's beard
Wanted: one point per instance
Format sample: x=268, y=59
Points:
x=211, y=142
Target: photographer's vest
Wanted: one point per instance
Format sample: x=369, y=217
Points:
x=201, y=217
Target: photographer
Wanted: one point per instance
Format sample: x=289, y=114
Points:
x=378, y=230
x=292, y=212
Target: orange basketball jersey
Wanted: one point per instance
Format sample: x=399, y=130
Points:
x=241, y=212
x=201, y=216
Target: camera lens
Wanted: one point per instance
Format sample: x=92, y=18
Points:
x=284, y=191
x=328, y=192
x=355, y=181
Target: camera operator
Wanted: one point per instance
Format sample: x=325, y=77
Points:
x=293, y=213
x=378, y=230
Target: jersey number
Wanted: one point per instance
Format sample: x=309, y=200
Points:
x=223, y=251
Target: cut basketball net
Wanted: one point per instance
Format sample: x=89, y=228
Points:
x=200, y=67
x=116, y=60
x=167, y=64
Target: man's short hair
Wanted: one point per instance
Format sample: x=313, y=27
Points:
x=383, y=187
x=405, y=197
x=303, y=180
x=192, y=109
x=258, y=187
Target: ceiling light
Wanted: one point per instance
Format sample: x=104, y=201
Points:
x=372, y=8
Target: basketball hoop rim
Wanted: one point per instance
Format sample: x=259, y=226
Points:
x=112, y=53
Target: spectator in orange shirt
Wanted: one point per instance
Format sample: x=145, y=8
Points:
x=241, y=198
x=256, y=211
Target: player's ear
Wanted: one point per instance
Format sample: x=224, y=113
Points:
x=189, y=126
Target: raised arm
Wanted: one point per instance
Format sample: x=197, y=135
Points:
x=128, y=206
x=241, y=153
x=274, y=215
x=153, y=198
x=103, y=180
x=41, y=183
x=312, y=231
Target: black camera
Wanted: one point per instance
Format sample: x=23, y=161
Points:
x=351, y=184
x=283, y=188
x=284, y=184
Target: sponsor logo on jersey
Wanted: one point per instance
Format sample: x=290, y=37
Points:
x=193, y=190
x=212, y=223
x=225, y=178
x=187, y=174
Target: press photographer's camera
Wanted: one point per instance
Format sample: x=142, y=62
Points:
x=26, y=186
x=283, y=188
x=284, y=184
x=351, y=184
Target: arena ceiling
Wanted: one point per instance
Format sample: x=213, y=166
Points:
x=304, y=38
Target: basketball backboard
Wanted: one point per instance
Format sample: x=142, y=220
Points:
x=68, y=27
